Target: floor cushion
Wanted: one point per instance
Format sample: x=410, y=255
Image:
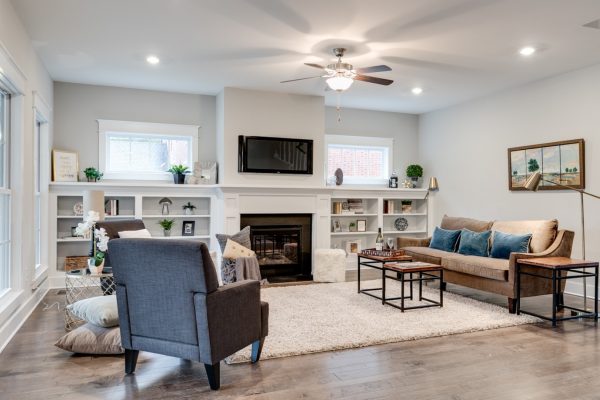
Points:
x=100, y=311
x=330, y=265
x=92, y=339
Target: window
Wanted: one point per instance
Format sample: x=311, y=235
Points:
x=364, y=160
x=138, y=150
x=37, y=205
x=5, y=193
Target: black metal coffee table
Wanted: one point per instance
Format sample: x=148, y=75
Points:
x=377, y=262
x=404, y=272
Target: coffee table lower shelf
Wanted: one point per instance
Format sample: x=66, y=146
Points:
x=425, y=273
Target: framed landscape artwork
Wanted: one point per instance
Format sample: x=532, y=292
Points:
x=559, y=162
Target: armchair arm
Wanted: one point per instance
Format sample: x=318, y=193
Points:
x=561, y=247
x=231, y=322
x=412, y=242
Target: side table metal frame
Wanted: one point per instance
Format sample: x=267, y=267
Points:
x=375, y=264
x=556, y=279
x=423, y=276
x=79, y=286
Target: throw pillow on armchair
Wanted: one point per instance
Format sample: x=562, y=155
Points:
x=228, y=265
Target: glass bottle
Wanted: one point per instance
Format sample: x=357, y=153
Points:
x=379, y=242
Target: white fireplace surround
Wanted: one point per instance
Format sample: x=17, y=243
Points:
x=229, y=202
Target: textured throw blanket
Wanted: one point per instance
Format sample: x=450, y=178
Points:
x=247, y=268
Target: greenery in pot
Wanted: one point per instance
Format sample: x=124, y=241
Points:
x=414, y=171
x=166, y=224
x=92, y=174
x=178, y=172
x=406, y=202
x=188, y=208
x=406, y=206
x=352, y=226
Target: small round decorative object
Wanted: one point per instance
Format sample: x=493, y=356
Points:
x=339, y=177
x=401, y=224
x=78, y=208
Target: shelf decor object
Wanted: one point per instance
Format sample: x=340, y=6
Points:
x=533, y=184
x=93, y=200
x=65, y=166
x=401, y=224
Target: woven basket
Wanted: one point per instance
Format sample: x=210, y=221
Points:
x=75, y=262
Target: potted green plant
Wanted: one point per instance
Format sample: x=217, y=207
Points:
x=414, y=172
x=166, y=224
x=92, y=174
x=406, y=206
x=188, y=208
x=178, y=172
x=352, y=226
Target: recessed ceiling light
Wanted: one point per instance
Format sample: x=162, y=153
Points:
x=417, y=90
x=153, y=60
x=527, y=51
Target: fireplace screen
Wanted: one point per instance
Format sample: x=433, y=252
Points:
x=277, y=244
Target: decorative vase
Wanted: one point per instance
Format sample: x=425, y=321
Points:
x=89, y=179
x=187, y=211
x=415, y=181
x=179, y=179
x=406, y=208
x=95, y=269
x=167, y=232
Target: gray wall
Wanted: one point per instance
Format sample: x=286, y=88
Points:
x=77, y=107
x=466, y=148
x=403, y=128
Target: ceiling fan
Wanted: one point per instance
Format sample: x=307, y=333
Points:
x=340, y=75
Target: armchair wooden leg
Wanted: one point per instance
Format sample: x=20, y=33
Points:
x=131, y=357
x=512, y=305
x=214, y=375
x=257, y=349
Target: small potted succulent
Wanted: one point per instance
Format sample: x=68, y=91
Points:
x=179, y=172
x=166, y=224
x=188, y=209
x=92, y=174
x=352, y=226
x=414, y=172
x=406, y=206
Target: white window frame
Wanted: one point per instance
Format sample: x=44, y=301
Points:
x=362, y=141
x=105, y=127
x=13, y=80
x=41, y=151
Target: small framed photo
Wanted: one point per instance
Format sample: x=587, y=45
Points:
x=188, y=228
x=353, y=246
x=337, y=227
x=361, y=225
x=65, y=166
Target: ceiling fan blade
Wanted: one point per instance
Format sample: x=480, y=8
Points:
x=372, y=79
x=301, y=79
x=375, y=68
x=315, y=65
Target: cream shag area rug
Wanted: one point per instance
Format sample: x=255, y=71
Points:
x=333, y=316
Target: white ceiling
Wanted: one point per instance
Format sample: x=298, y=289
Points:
x=455, y=49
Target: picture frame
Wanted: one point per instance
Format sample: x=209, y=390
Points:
x=361, y=225
x=337, y=227
x=353, y=246
x=65, y=166
x=188, y=228
x=561, y=162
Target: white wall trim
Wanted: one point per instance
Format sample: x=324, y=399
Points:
x=10, y=73
x=105, y=126
x=9, y=328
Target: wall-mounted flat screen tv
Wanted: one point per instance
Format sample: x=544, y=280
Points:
x=272, y=155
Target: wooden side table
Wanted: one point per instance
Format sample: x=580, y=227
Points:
x=377, y=262
x=79, y=286
x=576, y=269
x=426, y=272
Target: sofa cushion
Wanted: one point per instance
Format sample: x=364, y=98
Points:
x=485, y=267
x=426, y=254
x=474, y=243
x=543, y=232
x=505, y=244
x=444, y=239
x=458, y=223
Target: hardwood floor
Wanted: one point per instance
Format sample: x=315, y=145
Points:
x=524, y=362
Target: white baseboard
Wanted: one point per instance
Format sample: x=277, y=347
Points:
x=56, y=281
x=14, y=323
x=576, y=288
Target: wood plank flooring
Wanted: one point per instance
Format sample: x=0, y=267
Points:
x=525, y=362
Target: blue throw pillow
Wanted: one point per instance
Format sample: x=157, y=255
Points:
x=444, y=239
x=474, y=243
x=504, y=244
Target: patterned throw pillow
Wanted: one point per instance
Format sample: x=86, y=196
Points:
x=228, y=265
x=235, y=250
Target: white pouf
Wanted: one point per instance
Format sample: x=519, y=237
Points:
x=330, y=265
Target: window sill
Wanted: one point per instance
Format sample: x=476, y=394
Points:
x=9, y=303
x=41, y=273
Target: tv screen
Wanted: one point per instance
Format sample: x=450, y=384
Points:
x=275, y=155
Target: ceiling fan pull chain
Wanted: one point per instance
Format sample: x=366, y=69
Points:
x=339, y=107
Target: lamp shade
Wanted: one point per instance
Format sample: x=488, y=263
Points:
x=433, y=184
x=93, y=200
x=533, y=182
x=339, y=83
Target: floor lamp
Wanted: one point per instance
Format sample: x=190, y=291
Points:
x=533, y=183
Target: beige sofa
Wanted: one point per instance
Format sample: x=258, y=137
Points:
x=492, y=274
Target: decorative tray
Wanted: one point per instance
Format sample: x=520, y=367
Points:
x=383, y=253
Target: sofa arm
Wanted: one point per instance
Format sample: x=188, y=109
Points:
x=233, y=319
x=561, y=247
x=412, y=242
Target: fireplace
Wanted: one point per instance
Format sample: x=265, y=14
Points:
x=282, y=243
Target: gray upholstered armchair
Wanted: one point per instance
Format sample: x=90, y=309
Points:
x=170, y=303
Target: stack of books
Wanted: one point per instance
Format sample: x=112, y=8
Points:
x=355, y=206
x=111, y=207
x=388, y=207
